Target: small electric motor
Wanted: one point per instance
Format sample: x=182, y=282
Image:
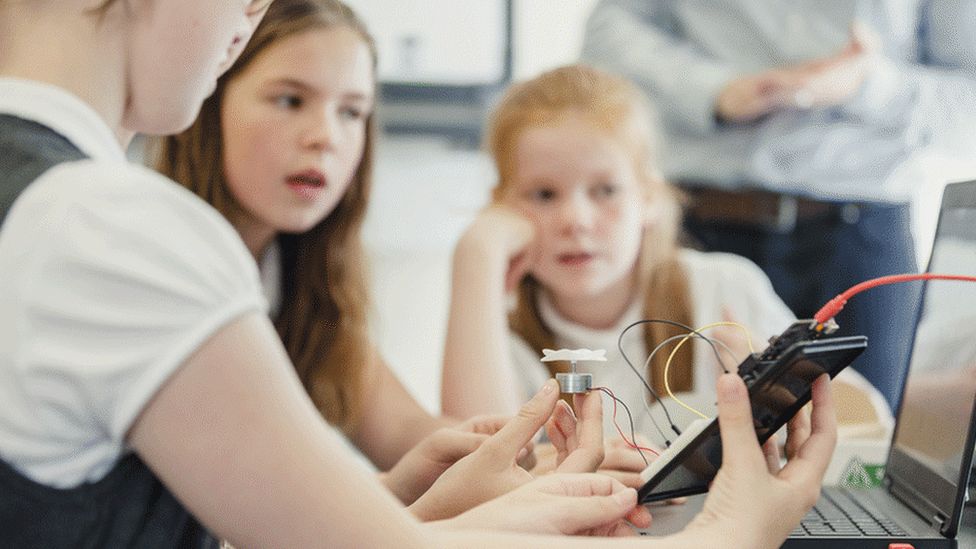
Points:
x=573, y=381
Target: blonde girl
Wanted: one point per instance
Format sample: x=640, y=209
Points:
x=584, y=229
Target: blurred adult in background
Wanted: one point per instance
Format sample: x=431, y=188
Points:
x=786, y=122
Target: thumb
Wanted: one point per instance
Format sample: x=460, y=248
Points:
x=740, y=447
x=584, y=513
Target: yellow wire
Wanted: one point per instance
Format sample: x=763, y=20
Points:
x=667, y=365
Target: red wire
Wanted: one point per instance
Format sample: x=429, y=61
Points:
x=631, y=444
x=835, y=305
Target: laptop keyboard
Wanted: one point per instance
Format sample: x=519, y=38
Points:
x=838, y=514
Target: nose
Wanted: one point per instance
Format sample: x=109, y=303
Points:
x=321, y=132
x=576, y=214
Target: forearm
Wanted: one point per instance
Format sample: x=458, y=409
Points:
x=384, y=441
x=477, y=376
x=403, y=434
x=234, y=436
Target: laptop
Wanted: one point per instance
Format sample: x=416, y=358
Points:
x=921, y=499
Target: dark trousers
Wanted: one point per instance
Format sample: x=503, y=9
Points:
x=823, y=256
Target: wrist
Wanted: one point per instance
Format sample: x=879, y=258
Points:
x=475, y=247
x=479, y=259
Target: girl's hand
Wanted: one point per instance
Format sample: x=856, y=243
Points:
x=620, y=461
x=752, y=498
x=493, y=469
x=419, y=468
x=566, y=504
x=578, y=442
x=503, y=236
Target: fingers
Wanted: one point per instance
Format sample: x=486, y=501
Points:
x=640, y=517
x=863, y=38
x=590, y=424
x=526, y=458
x=561, y=430
x=505, y=444
x=486, y=425
x=740, y=447
x=450, y=445
x=623, y=459
x=588, y=453
x=630, y=480
x=797, y=432
x=517, y=268
x=771, y=453
x=812, y=457
x=592, y=503
x=598, y=511
x=624, y=464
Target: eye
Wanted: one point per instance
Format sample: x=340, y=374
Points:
x=287, y=101
x=605, y=190
x=541, y=194
x=352, y=113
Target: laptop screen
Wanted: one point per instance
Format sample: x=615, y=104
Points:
x=932, y=442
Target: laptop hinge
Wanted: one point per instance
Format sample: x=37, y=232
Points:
x=921, y=506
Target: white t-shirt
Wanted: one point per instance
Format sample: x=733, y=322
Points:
x=717, y=282
x=110, y=277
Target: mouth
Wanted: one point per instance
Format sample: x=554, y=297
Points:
x=574, y=259
x=307, y=178
x=307, y=184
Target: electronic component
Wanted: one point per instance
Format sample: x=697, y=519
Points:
x=779, y=382
x=573, y=381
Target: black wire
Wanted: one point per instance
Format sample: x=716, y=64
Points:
x=630, y=418
x=692, y=332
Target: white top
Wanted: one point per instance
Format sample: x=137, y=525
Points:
x=110, y=277
x=717, y=281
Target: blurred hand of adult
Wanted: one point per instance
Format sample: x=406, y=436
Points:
x=818, y=83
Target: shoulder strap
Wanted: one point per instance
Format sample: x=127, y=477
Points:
x=27, y=150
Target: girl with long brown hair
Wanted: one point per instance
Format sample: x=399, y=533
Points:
x=284, y=150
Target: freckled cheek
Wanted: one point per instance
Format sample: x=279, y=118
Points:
x=546, y=240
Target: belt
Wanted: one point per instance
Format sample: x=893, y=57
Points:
x=766, y=209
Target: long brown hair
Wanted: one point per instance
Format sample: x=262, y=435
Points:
x=322, y=320
x=613, y=104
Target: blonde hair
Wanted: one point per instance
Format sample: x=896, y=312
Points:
x=322, y=321
x=616, y=106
